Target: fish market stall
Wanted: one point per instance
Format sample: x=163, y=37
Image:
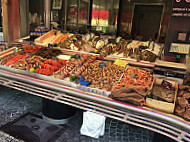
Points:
x=114, y=87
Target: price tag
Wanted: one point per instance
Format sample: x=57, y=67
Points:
x=77, y=86
x=32, y=44
x=94, y=91
x=79, y=37
x=73, y=85
x=99, y=91
x=77, y=56
x=19, y=45
x=55, y=58
x=85, y=89
x=16, y=50
x=121, y=62
x=166, y=84
x=102, y=65
x=111, y=40
x=55, y=33
x=50, y=45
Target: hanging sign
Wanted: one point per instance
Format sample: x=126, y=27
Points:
x=181, y=8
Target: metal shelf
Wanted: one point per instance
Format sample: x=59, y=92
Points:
x=170, y=126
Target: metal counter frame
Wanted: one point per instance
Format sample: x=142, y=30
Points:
x=60, y=91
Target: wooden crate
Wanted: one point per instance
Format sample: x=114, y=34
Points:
x=161, y=105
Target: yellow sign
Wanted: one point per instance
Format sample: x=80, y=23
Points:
x=121, y=62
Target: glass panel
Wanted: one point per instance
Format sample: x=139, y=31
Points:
x=72, y=12
x=104, y=16
x=83, y=12
x=36, y=13
x=78, y=14
x=57, y=14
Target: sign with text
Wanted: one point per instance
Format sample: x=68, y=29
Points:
x=181, y=8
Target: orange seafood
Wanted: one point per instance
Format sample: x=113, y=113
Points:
x=14, y=60
x=60, y=38
x=135, y=77
x=50, y=66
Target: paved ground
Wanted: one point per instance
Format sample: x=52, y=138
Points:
x=14, y=104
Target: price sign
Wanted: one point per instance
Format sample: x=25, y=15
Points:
x=102, y=65
x=50, y=45
x=19, y=45
x=32, y=44
x=166, y=84
x=77, y=56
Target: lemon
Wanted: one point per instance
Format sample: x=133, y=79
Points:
x=95, y=51
x=32, y=69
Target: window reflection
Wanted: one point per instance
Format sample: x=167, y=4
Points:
x=104, y=16
x=36, y=13
x=78, y=14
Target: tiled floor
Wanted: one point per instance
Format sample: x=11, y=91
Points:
x=14, y=103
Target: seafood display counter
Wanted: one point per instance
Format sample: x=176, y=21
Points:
x=48, y=79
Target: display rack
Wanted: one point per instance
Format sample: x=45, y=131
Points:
x=57, y=90
x=168, y=125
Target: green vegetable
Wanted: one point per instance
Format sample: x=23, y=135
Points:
x=56, y=44
x=20, y=48
x=36, y=67
x=73, y=56
x=73, y=78
x=33, y=53
x=110, y=61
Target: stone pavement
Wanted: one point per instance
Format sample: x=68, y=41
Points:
x=14, y=104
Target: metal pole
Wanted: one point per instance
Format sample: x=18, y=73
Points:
x=5, y=19
x=65, y=16
x=119, y=18
x=47, y=4
x=90, y=14
x=78, y=9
